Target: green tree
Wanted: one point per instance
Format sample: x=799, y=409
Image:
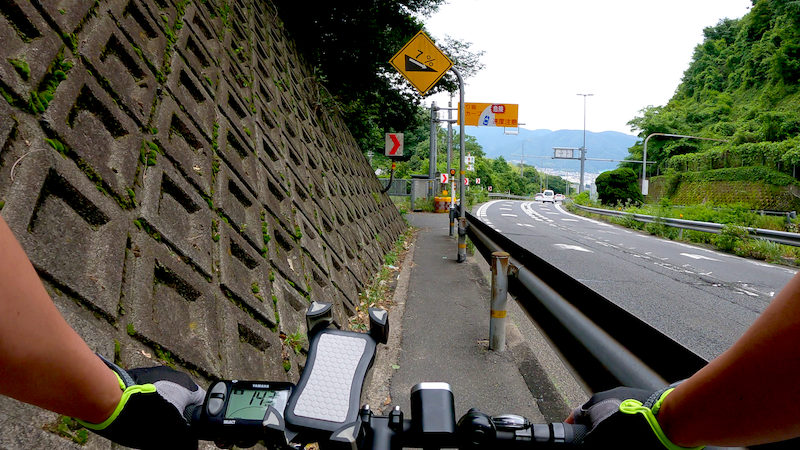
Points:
x=618, y=186
x=742, y=85
x=349, y=45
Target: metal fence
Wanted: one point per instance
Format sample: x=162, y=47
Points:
x=781, y=237
x=399, y=188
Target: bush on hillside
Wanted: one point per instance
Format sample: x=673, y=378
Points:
x=618, y=186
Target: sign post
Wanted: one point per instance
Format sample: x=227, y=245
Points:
x=423, y=65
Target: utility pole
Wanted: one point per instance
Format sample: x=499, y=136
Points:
x=450, y=140
x=583, y=148
x=432, y=157
x=521, y=161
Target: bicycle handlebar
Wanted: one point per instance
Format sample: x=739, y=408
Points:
x=324, y=405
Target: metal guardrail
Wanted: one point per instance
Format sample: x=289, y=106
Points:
x=781, y=237
x=606, y=345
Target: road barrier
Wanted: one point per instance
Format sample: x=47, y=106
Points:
x=606, y=345
x=781, y=237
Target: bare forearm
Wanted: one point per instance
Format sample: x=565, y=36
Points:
x=43, y=361
x=747, y=395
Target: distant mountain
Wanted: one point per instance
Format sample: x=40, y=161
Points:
x=537, y=146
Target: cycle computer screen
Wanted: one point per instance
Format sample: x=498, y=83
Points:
x=251, y=403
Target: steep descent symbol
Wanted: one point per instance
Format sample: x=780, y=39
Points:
x=421, y=63
x=412, y=65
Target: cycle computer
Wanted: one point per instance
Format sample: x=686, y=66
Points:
x=243, y=412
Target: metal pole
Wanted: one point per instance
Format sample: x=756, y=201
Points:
x=432, y=157
x=583, y=148
x=462, y=221
x=449, y=134
x=449, y=160
x=644, y=153
x=497, y=320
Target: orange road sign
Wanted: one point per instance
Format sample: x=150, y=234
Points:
x=421, y=62
x=490, y=114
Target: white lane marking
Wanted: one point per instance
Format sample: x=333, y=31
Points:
x=573, y=247
x=506, y=209
x=481, y=212
x=569, y=220
x=693, y=256
x=746, y=292
x=525, y=225
x=602, y=224
x=527, y=208
x=508, y=215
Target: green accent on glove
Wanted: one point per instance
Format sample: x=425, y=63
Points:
x=126, y=394
x=632, y=406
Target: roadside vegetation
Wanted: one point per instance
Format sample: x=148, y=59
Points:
x=379, y=293
x=743, y=85
x=734, y=237
x=742, y=89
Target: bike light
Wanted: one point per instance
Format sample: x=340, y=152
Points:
x=433, y=409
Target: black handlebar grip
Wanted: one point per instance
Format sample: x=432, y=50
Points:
x=578, y=434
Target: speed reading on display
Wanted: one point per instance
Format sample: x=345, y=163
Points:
x=421, y=62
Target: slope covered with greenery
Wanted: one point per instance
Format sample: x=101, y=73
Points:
x=741, y=86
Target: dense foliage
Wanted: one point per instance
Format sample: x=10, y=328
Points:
x=618, y=186
x=349, y=44
x=741, y=86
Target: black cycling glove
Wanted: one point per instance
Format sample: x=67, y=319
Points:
x=153, y=410
x=625, y=418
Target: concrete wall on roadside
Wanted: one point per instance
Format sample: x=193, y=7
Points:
x=177, y=179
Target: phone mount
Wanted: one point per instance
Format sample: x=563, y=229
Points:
x=325, y=403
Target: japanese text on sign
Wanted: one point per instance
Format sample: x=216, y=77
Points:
x=490, y=115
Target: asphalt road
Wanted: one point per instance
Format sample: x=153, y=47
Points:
x=702, y=298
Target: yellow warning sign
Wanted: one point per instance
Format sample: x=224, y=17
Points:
x=490, y=115
x=421, y=62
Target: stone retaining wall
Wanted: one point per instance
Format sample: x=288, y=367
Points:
x=176, y=178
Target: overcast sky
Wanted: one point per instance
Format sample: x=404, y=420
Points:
x=540, y=54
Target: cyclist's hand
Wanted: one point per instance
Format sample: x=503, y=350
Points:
x=154, y=410
x=624, y=418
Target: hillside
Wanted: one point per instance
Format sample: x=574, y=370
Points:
x=741, y=86
x=538, y=146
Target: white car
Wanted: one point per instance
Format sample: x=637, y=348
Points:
x=538, y=197
x=548, y=196
x=559, y=197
